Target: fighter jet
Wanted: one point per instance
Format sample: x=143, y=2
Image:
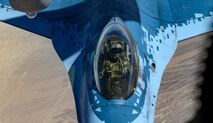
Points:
x=115, y=51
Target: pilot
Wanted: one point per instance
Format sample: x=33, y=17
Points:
x=115, y=68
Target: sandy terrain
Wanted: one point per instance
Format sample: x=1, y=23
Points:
x=177, y=99
x=34, y=86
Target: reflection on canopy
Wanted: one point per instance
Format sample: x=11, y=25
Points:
x=116, y=62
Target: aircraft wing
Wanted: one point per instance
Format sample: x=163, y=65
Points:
x=19, y=19
x=52, y=22
x=189, y=17
x=42, y=24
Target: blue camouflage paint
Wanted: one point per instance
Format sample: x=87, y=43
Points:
x=156, y=25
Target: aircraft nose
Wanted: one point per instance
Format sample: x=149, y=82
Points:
x=115, y=114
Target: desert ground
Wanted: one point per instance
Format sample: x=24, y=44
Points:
x=34, y=85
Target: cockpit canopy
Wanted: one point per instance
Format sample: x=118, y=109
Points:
x=116, y=61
